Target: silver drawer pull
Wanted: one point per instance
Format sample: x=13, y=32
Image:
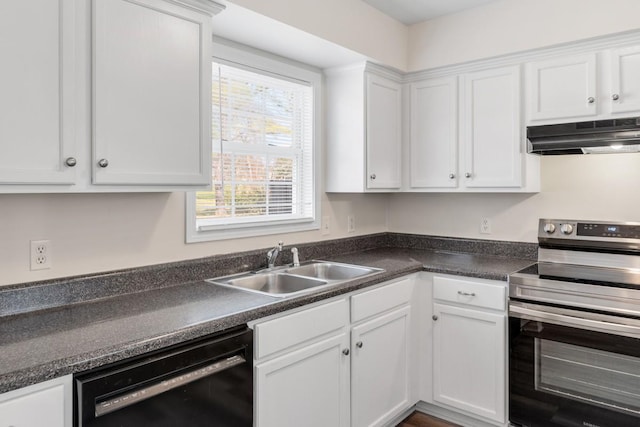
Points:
x=467, y=294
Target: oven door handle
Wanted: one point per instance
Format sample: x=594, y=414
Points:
x=586, y=320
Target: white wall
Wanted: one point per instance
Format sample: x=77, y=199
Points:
x=101, y=232
x=509, y=26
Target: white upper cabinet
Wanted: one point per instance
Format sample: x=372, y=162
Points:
x=37, y=117
x=364, y=130
x=625, y=81
x=383, y=134
x=151, y=120
x=466, y=134
x=563, y=87
x=602, y=84
x=491, y=128
x=105, y=95
x=434, y=133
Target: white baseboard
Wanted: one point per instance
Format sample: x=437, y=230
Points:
x=453, y=417
x=394, y=422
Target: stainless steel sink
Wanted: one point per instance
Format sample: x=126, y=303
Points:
x=272, y=283
x=290, y=281
x=331, y=271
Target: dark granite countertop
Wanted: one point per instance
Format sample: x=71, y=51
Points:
x=49, y=343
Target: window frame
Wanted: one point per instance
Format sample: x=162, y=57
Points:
x=274, y=66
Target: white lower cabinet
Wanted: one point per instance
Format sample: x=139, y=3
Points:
x=44, y=404
x=469, y=347
x=307, y=387
x=334, y=372
x=380, y=368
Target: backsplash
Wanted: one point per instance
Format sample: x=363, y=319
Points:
x=25, y=297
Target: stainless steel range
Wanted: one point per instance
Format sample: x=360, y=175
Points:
x=574, y=328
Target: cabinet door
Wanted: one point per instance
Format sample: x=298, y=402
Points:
x=625, y=85
x=491, y=130
x=564, y=87
x=151, y=93
x=469, y=360
x=307, y=387
x=383, y=132
x=434, y=133
x=36, y=91
x=380, y=369
x=41, y=408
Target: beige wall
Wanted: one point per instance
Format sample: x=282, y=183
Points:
x=590, y=187
x=349, y=23
x=585, y=187
x=509, y=26
x=102, y=232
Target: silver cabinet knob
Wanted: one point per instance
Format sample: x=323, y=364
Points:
x=359, y=344
x=71, y=161
x=591, y=100
x=434, y=317
x=452, y=175
x=103, y=163
x=615, y=96
x=345, y=351
x=373, y=176
x=467, y=175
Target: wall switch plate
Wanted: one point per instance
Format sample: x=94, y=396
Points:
x=41, y=256
x=485, y=226
x=325, y=227
x=351, y=224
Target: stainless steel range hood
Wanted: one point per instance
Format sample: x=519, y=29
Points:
x=594, y=137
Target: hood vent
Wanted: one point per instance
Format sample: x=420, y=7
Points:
x=594, y=137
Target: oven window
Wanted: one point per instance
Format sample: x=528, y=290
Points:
x=598, y=377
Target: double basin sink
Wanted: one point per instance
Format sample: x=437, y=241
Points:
x=291, y=281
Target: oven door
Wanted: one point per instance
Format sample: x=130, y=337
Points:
x=572, y=368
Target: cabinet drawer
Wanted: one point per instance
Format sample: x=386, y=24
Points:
x=379, y=300
x=276, y=335
x=470, y=292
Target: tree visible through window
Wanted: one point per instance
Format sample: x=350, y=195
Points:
x=262, y=162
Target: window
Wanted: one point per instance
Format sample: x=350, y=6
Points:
x=263, y=150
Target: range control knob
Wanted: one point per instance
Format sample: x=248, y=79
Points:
x=549, y=228
x=566, y=228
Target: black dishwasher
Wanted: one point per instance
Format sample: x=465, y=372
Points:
x=208, y=382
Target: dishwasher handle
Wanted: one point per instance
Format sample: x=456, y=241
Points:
x=122, y=401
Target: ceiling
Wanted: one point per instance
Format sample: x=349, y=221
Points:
x=412, y=11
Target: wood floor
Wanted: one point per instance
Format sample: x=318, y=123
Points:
x=418, y=419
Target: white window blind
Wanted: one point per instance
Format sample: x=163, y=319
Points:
x=262, y=162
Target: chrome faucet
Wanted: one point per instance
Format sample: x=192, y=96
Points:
x=272, y=255
x=296, y=259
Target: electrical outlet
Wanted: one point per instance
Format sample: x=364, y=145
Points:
x=485, y=226
x=326, y=225
x=41, y=256
x=351, y=224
